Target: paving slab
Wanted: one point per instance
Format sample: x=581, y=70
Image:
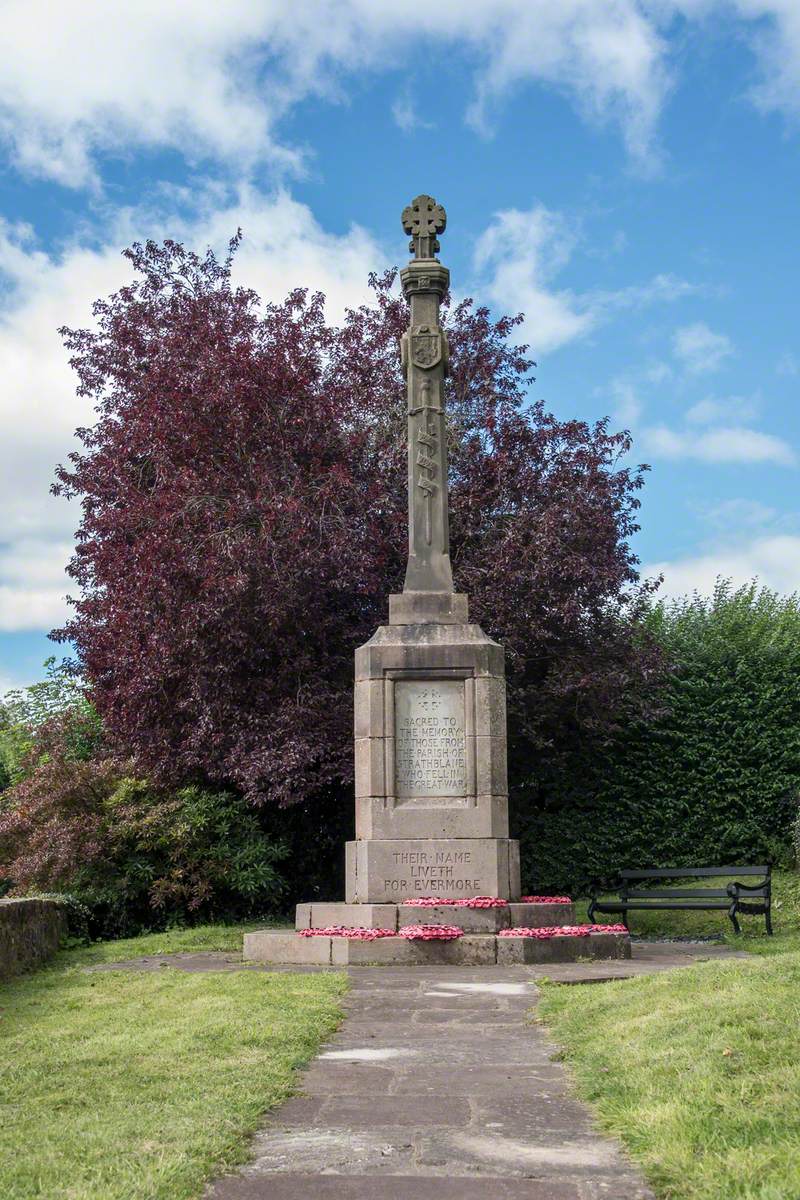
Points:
x=437, y=1085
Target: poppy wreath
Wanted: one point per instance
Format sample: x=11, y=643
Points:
x=545, y=900
x=357, y=934
x=466, y=902
x=430, y=933
x=552, y=931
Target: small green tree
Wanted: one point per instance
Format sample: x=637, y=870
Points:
x=24, y=711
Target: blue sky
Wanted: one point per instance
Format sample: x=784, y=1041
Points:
x=625, y=172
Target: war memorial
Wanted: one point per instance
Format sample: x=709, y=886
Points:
x=432, y=875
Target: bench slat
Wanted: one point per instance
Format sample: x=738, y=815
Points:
x=694, y=872
x=624, y=905
x=678, y=893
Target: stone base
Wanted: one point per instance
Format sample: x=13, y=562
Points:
x=511, y=950
x=428, y=608
x=477, y=949
x=471, y=920
x=380, y=872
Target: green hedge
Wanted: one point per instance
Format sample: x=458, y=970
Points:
x=714, y=780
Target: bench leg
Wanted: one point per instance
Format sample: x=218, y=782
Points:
x=732, y=915
x=768, y=915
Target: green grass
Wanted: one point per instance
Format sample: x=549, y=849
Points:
x=171, y=941
x=118, y=1085
x=785, y=920
x=697, y=1070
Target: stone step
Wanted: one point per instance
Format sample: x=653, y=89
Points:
x=471, y=920
x=475, y=949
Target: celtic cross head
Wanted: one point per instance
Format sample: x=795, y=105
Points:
x=423, y=218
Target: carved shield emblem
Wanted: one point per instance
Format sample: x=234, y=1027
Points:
x=426, y=348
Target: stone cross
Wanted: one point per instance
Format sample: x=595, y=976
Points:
x=423, y=218
x=424, y=357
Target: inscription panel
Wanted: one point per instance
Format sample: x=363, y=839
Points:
x=430, y=738
x=428, y=872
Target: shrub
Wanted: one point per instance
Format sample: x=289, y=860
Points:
x=137, y=856
x=25, y=712
x=713, y=780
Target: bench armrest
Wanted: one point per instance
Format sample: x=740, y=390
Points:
x=765, y=887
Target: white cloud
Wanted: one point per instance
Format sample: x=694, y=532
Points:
x=699, y=348
x=771, y=28
x=406, y=116
x=657, y=372
x=284, y=247
x=729, y=408
x=723, y=445
x=517, y=258
x=740, y=512
x=776, y=41
x=34, y=586
x=787, y=364
x=519, y=253
x=215, y=79
x=627, y=405
x=775, y=561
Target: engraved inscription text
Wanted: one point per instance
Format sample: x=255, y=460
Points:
x=430, y=738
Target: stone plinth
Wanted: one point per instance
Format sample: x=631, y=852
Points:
x=477, y=949
x=395, y=916
x=511, y=950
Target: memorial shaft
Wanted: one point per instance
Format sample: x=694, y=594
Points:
x=424, y=357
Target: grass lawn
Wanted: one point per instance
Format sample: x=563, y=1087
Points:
x=697, y=1071
x=125, y=1085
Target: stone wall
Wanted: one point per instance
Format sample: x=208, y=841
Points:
x=30, y=932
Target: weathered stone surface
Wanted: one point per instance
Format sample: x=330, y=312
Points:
x=646, y=958
x=490, y=707
x=471, y=920
x=430, y=730
x=30, y=933
x=351, y=916
x=541, y=916
x=318, y=915
x=430, y=750
x=426, y=608
x=470, y=1105
x=382, y=871
x=469, y=950
x=393, y=1187
x=512, y=950
x=478, y=817
x=429, y=648
x=424, y=355
x=271, y=946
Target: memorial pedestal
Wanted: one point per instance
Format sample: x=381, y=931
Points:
x=431, y=809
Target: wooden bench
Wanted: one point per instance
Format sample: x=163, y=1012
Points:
x=736, y=898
